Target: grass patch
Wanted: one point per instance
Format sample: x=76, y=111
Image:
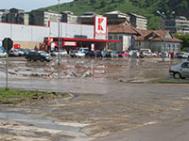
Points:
x=16, y=96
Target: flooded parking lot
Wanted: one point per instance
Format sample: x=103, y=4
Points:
x=124, y=69
x=108, y=96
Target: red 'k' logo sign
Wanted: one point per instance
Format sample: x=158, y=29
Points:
x=100, y=21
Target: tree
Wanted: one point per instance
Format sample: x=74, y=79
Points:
x=185, y=39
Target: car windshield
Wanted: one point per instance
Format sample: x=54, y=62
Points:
x=185, y=65
x=43, y=53
x=1, y=51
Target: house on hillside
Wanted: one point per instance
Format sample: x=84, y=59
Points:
x=122, y=32
x=157, y=40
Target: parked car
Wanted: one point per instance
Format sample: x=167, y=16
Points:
x=2, y=53
x=123, y=54
x=72, y=53
x=25, y=51
x=38, y=56
x=82, y=52
x=147, y=53
x=62, y=53
x=16, y=52
x=134, y=53
x=180, y=70
x=98, y=53
x=106, y=53
x=182, y=55
x=114, y=54
x=90, y=54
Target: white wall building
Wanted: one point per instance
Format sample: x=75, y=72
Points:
x=29, y=36
x=122, y=32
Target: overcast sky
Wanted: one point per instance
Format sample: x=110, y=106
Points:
x=28, y=5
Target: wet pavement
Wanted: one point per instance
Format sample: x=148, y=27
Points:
x=82, y=68
x=35, y=127
x=113, y=99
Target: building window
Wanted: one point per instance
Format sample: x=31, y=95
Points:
x=139, y=43
x=120, y=37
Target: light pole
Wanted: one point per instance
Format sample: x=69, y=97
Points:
x=59, y=41
x=163, y=17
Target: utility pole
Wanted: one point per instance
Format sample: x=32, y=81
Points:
x=163, y=18
x=59, y=40
x=7, y=44
x=6, y=69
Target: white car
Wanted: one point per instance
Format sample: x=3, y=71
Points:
x=82, y=52
x=61, y=52
x=182, y=55
x=2, y=53
x=134, y=53
x=180, y=70
x=147, y=53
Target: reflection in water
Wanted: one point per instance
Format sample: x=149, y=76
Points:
x=83, y=68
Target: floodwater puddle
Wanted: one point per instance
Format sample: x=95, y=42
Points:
x=42, y=124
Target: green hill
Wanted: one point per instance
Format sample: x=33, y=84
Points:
x=146, y=8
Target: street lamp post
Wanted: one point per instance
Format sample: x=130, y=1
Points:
x=59, y=41
x=163, y=17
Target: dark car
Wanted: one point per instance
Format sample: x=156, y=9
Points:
x=98, y=53
x=38, y=56
x=25, y=51
x=90, y=54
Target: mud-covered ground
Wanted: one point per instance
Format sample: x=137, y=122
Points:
x=82, y=68
x=102, y=102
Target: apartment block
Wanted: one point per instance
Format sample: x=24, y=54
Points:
x=117, y=17
x=43, y=18
x=138, y=21
x=13, y=15
x=177, y=25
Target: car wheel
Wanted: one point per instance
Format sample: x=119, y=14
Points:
x=177, y=75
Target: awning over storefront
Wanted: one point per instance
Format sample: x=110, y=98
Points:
x=91, y=40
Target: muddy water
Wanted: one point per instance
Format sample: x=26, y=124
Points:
x=82, y=68
x=16, y=120
x=89, y=76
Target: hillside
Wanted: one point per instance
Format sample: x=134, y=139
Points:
x=147, y=8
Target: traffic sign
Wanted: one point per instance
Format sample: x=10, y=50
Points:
x=7, y=44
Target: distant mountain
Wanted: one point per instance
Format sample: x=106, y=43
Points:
x=146, y=8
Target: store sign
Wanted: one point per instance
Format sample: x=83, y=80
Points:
x=66, y=43
x=100, y=25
